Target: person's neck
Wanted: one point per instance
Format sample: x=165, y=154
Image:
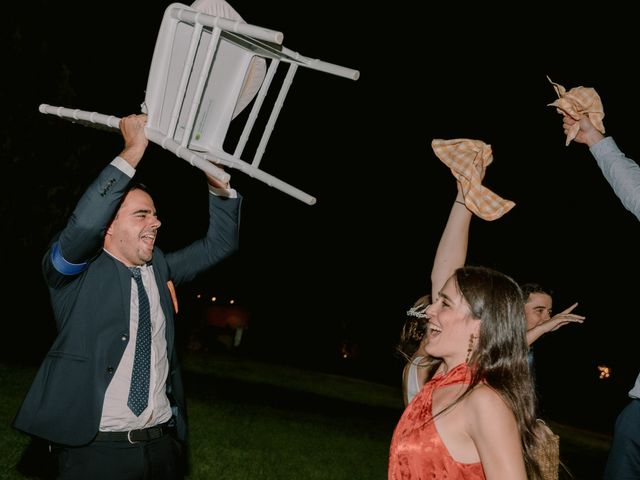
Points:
x=124, y=262
x=446, y=366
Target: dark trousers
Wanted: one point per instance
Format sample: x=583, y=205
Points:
x=157, y=459
x=623, y=462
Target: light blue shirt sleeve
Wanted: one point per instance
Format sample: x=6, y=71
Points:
x=622, y=173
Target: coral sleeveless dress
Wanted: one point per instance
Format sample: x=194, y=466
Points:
x=417, y=451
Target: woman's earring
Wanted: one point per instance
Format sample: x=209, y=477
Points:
x=472, y=340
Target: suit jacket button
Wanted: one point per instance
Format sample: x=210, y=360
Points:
x=125, y=337
x=109, y=370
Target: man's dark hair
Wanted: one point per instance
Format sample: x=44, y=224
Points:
x=134, y=186
x=139, y=186
x=530, y=287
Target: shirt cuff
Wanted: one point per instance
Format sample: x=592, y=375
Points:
x=603, y=147
x=223, y=192
x=124, y=166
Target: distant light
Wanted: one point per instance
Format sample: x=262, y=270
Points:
x=605, y=372
x=199, y=295
x=213, y=299
x=231, y=302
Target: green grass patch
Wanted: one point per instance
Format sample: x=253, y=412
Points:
x=260, y=420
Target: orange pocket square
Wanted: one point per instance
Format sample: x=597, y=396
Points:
x=174, y=297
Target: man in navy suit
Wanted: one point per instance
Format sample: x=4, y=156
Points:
x=79, y=399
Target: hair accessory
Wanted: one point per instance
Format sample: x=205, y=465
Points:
x=419, y=312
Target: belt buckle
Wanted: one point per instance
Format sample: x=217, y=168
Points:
x=129, y=437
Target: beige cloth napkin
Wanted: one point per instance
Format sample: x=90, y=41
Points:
x=465, y=157
x=576, y=102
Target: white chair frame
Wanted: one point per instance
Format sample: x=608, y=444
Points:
x=199, y=68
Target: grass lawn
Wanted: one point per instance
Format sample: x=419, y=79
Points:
x=258, y=420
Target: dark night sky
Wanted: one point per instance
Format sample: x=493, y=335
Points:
x=350, y=265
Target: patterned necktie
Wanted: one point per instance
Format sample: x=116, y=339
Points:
x=139, y=390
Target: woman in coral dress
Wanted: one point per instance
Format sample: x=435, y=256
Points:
x=475, y=417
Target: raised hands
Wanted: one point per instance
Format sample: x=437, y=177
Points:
x=558, y=320
x=135, y=140
x=587, y=134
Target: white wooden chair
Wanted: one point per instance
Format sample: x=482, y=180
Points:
x=205, y=70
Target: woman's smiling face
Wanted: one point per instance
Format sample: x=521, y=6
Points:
x=450, y=325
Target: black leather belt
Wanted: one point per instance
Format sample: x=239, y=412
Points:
x=134, y=436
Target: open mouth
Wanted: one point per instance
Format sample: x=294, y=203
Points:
x=433, y=330
x=148, y=238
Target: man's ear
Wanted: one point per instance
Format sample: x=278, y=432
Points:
x=110, y=228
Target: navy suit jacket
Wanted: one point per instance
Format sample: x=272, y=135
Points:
x=91, y=308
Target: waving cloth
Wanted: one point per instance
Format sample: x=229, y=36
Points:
x=467, y=159
x=576, y=102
